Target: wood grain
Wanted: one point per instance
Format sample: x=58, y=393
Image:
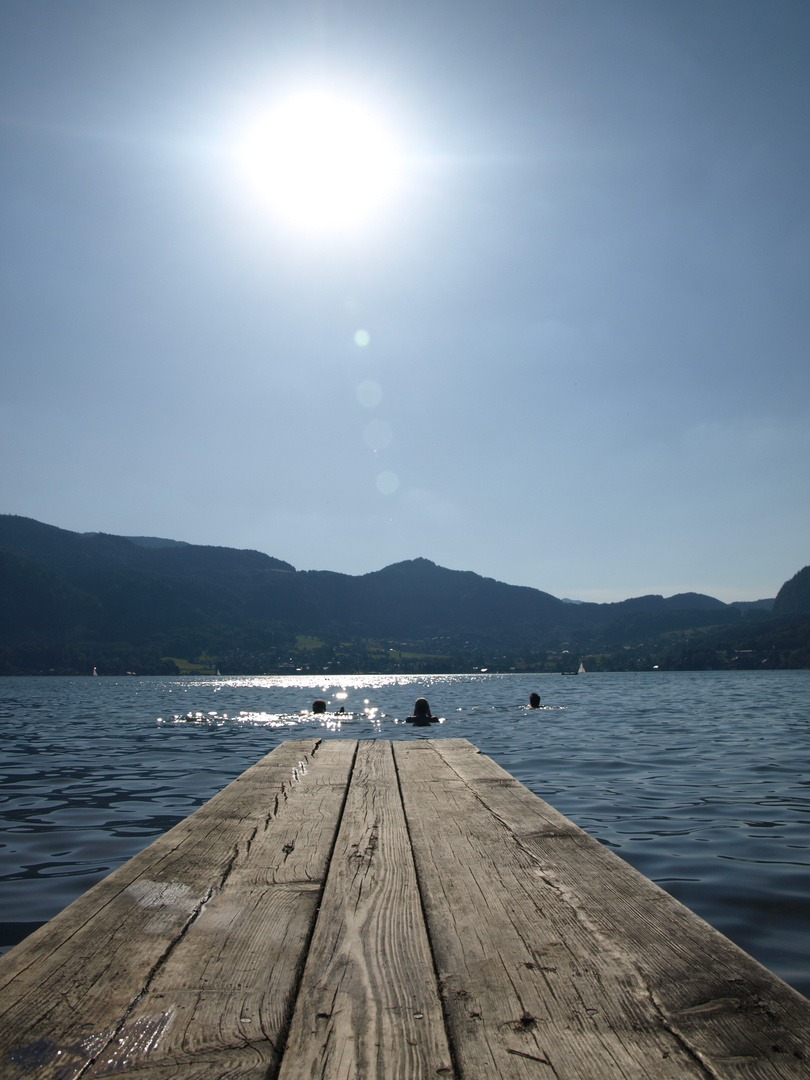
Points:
x=728, y=1013
x=368, y=1004
x=195, y=945
x=527, y=990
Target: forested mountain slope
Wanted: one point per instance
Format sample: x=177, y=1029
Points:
x=150, y=598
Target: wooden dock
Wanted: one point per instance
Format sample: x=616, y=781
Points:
x=389, y=910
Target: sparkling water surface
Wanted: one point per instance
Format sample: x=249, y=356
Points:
x=699, y=779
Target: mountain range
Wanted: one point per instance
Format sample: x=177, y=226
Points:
x=73, y=601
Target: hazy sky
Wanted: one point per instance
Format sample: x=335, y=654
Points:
x=567, y=350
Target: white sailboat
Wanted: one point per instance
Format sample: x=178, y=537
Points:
x=581, y=669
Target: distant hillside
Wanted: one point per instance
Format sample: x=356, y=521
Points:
x=72, y=599
x=152, y=541
x=417, y=599
x=794, y=596
x=112, y=588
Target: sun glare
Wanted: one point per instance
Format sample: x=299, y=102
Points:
x=323, y=163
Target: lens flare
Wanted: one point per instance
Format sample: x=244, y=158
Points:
x=369, y=393
x=387, y=483
x=378, y=434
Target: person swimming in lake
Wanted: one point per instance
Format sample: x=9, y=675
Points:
x=421, y=713
x=534, y=700
x=319, y=705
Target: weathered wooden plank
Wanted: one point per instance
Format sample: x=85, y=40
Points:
x=368, y=1004
x=232, y=802
x=733, y=1014
x=527, y=990
x=736, y=1012
x=158, y=964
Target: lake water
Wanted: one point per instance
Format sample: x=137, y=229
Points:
x=699, y=779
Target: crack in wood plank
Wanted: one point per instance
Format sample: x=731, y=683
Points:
x=125, y=1047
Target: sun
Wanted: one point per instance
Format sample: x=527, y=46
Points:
x=322, y=162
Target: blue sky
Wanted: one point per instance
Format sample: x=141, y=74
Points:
x=585, y=313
